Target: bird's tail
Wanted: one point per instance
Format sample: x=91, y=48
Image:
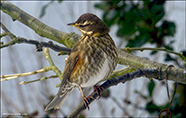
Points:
x=58, y=100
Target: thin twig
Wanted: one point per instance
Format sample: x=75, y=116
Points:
x=43, y=78
x=11, y=35
x=13, y=76
x=54, y=68
x=156, y=49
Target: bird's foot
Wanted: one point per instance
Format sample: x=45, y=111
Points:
x=98, y=90
x=85, y=99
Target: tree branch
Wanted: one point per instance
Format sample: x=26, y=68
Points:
x=39, y=27
x=150, y=73
x=39, y=45
x=173, y=73
x=7, y=32
x=54, y=68
x=125, y=58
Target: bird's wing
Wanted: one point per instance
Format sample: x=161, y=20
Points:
x=64, y=91
x=74, y=63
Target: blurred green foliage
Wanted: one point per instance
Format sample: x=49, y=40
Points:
x=137, y=21
x=140, y=22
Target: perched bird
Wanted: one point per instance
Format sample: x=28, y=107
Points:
x=93, y=58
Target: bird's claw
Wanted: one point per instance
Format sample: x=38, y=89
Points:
x=98, y=90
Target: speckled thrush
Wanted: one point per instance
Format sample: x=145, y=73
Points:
x=93, y=58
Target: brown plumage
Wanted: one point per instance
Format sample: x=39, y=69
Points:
x=91, y=60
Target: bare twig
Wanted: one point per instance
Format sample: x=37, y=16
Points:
x=156, y=49
x=13, y=76
x=43, y=78
x=54, y=68
x=11, y=35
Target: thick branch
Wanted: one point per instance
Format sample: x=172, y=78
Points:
x=172, y=73
x=39, y=27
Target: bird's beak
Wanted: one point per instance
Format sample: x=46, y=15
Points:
x=72, y=24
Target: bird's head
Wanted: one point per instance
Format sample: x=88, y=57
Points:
x=90, y=24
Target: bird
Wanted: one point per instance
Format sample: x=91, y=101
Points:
x=93, y=58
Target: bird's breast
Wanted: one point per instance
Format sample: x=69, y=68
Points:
x=96, y=76
x=97, y=61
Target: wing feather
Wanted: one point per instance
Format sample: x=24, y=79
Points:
x=73, y=62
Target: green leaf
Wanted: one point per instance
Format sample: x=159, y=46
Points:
x=127, y=23
x=151, y=107
x=153, y=52
x=168, y=47
x=169, y=58
x=151, y=87
x=168, y=28
x=102, y=6
x=140, y=39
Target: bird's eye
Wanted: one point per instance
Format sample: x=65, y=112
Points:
x=81, y=25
